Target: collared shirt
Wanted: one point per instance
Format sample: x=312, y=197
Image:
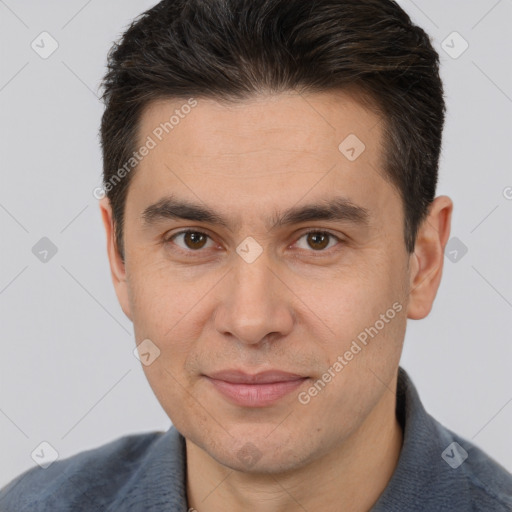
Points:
x=437, y=471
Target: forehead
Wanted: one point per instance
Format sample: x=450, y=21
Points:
x=267, y=151
x=288, y=121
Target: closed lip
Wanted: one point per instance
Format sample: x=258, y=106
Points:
x=267, y=377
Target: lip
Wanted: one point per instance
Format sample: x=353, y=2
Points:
x=240, y=377
x=258, y=390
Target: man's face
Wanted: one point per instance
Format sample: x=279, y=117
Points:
x=282, y=299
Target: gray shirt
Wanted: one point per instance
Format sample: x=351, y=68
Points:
x=437, y=471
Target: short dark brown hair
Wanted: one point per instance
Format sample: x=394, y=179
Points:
x=234, y=49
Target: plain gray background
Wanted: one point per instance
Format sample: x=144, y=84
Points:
x=67, y=372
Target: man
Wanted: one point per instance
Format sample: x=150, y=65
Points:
x=270, y=169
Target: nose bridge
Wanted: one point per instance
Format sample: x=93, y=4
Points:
x=254, y=280
x=254, y=302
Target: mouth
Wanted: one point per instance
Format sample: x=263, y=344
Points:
x=257, y=390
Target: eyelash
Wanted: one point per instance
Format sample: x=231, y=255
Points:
x=194, y=253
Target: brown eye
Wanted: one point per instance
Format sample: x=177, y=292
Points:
x=190, y=240
x=318, y=241
x=194, y=240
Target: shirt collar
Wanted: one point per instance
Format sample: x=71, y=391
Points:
x=421, y=480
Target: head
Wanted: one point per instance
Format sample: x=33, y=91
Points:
x=298, y=143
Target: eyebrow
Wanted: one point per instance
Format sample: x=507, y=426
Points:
x=335, y=209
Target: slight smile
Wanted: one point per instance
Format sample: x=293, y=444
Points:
x=257, y=390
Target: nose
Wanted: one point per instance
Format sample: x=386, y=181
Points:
x=255, y=303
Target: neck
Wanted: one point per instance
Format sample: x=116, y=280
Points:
x=349, y=478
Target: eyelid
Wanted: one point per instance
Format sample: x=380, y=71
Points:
x=201, y=231
x=169, y=239
x=319, y=231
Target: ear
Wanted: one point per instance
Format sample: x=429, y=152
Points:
x=117, y=267
x=426, y=264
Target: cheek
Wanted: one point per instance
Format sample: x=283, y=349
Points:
x=354, y=296
x=365, y=311
x=156, y=295
x=173, y=391
x=358, y=373
x=171, y=311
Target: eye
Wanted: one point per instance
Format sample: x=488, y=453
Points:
x=319, y=241
x=191, y=240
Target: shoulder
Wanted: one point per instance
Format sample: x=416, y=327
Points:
x=87, y=479
x=439, y=469
x=487, y=483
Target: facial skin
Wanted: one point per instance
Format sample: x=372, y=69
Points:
x=296, y=308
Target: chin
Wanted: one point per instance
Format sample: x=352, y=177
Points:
x=259, y=453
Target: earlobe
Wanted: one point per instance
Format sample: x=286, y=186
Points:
x=428, y=258
x=117, y=266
